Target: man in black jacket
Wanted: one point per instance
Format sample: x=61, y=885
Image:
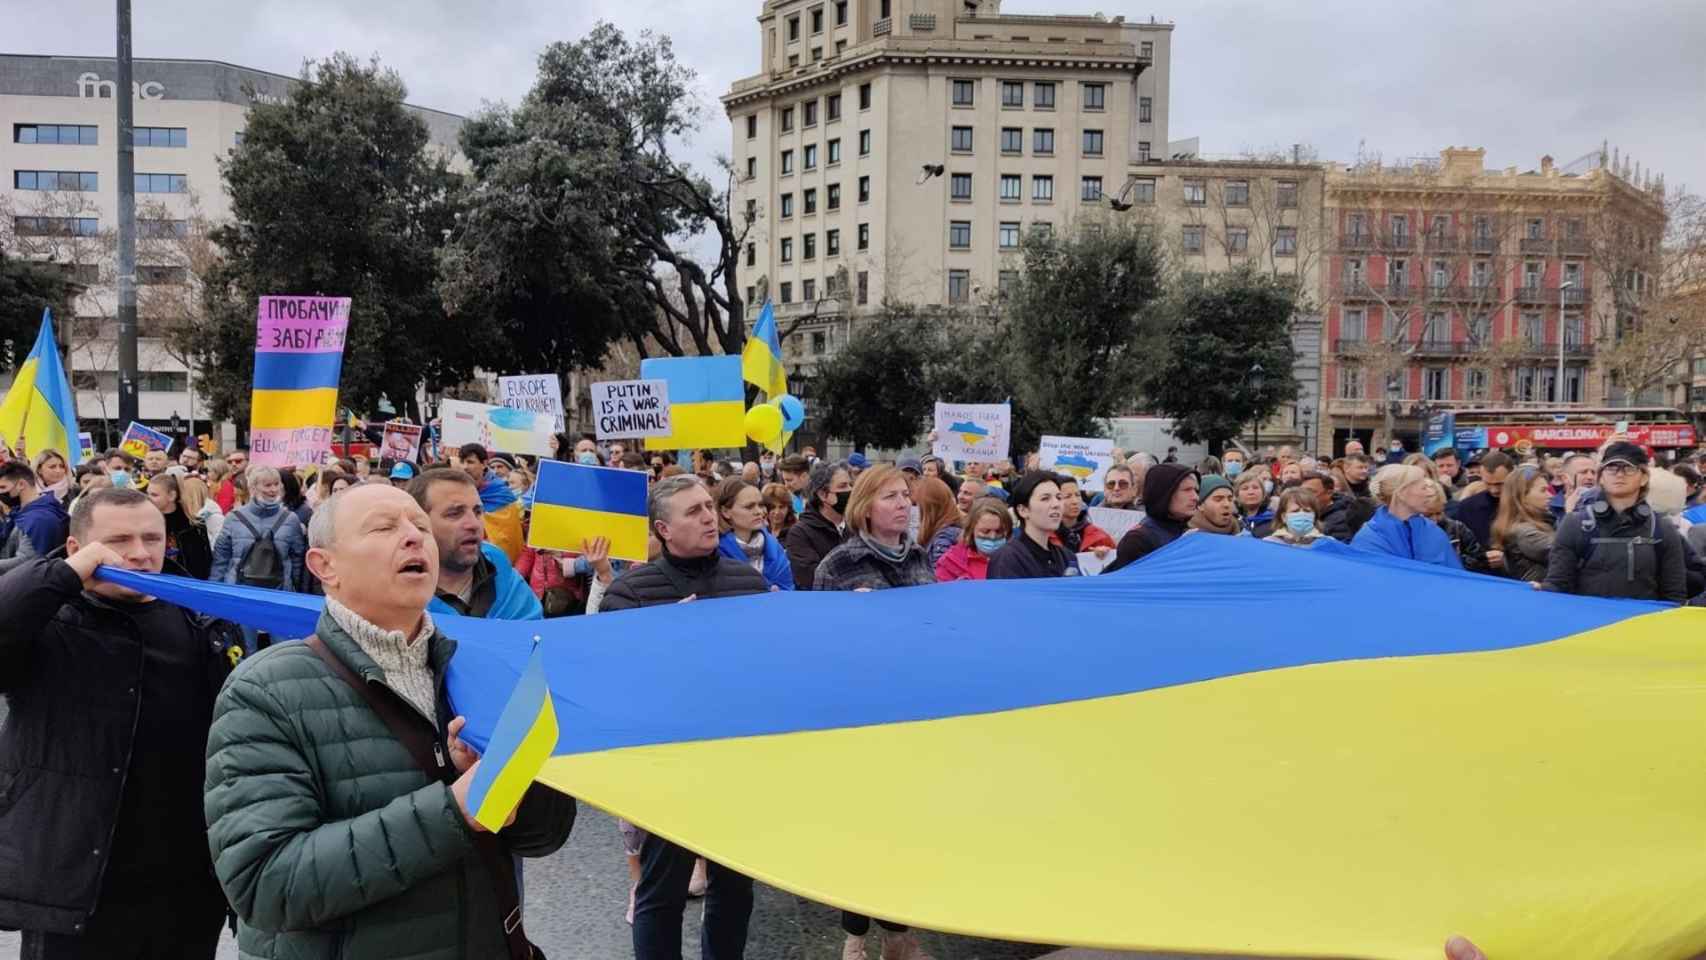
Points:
x=684, y=518
x=1618, y=546
x=1477, y=512
x=820, y=527
x=1345, y=514
x=103, y=848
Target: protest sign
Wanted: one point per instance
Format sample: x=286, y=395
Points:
x=299, y=355
x=86, y=446
x=1089, y=565
x=138, y=440
x=534, y=392
x=400, y=441
x=498, y=429
x=972, y=431
x=574, y=503
x=630, y=408
x=1115, y=521
x=1085, y=459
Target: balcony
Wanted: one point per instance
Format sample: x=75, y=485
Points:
x=1574, y=296
x=1398, y=240
x=1441, y=241
x=1574, y=247
x=1358, y=289
x=1443, y=347
x=1535, y=294
x=1356, y=241
x=1353, y=345
x=1398, y=290
x=882, y=27
x=1549, y=348
x=1484, y=244
x=1541, y=245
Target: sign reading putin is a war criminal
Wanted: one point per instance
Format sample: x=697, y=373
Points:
x=623, y=409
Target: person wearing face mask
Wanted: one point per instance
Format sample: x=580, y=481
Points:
x=1250, y=494
x=1232, y=463
x=1170, y=501
x=586, y=452
x=1216, y=511
x=988, y=528
x=1618, y=546
x=1296, y=525
x=37, y=523
x=820, y=528
x=1032, y=555
x=766, y=467
x=1400, y=527
x=741, y=519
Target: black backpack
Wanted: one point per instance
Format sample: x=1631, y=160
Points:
x=262, y=564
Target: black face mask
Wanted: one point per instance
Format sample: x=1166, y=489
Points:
x=11, y=500
x=841, y=500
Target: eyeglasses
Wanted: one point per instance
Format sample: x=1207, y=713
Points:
x=1117, y=484
x=1619, y=468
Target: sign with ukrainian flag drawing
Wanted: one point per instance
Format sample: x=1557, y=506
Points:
x=299, y=356
x=972, y=431
x=1084, y=459
x=707, y=402
x=498, y=429
x=573, y=503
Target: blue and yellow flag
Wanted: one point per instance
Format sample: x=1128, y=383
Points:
x=524, y=738
x=761, y=359
x=1230, y=747
x=707, y=403
x=573, y=503
x=39, y=412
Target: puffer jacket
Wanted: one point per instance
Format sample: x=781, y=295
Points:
x=235, y=539
x=671, y=579
x=328, y=839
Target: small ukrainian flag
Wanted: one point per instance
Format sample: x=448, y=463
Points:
x=39, y=412
x=761, y=359
x=573, y=503
x=523, y=740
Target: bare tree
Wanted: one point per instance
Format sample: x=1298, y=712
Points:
x=1649, y=252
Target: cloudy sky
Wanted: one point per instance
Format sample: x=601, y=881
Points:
x=1519, y=77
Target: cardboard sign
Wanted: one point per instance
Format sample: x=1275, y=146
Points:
x=498, y=429
x=139, y=440
x=534, y=392
x=86, y=446
x=1115, y=521
x=400, y=442
x=1085, y=459
x=630, y=408
x=973, y=431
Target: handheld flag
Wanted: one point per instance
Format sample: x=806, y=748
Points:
x=761, y=359
x=522, y=741
x=39, y=412
x=707, y=404
x=299, y=356
x=503, y=516
x=573, y=503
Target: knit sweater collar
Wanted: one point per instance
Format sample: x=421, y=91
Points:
x=390, y=649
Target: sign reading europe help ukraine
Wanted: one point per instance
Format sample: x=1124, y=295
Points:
x=534, y=392
x=299, y=355
x=1084, y=459
x=972, y=431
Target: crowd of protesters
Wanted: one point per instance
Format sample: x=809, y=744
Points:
x=1607, y=522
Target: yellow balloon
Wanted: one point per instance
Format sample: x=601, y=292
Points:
x=764, y=423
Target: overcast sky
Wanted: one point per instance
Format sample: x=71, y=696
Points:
x=1519, y=77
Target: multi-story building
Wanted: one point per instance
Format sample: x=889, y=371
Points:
x=899, y=148
x=59, y=201
x=1449, y=287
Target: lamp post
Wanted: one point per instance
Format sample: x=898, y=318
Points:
x=1394, y=391
x=797, y=389
x=1257, y=380
x=1567, y=284
x=1308, y=413
x=177, y=425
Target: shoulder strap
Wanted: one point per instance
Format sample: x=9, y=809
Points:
x=429, y=756
x=239, y=516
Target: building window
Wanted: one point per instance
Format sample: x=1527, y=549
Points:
x=1350, y=383
x=1042, y=189
x=751, y=257
x=1193, y=238
x=793, y=59
x=811, y=156
x=835, y=151
x=1436, y=329
x=1143, y=190
x=864, y=189
x=1092, y=143
x=1090, y=188
x=1237, y=193
x=961, y=140
x=1533, y=328
x=832, y=243
x=1042, y=142
x=808, y=198
x=1536, y=228
x=751, y=209
x=864, y=96
x=162, y=229
x=87, y=274
x=864, y=294
x=787, y=292
x=787, y=162
x=1145, y=109
x=1008, y=236
x=1475, y=383
x=1354, y=326
x=69, y=180
x=832, y=107
x=808, y=113
x=1196, y=192
x=1435, y=382
x=1042, y=228
x=864, y=143
x=1285, y=193
x=162, y=183
x=808, y=247
x=787, y=251
x=1095, y=96
x=1006, y=281
x=841, y=13
x=864, y=236
x=964, y=92
x=752, y=168
x=1285, y=241
x=817, y=27
x=1013, y=140
x=149, y=275
x=1012, y=187
x=820, y=343
x=1531, y=276
x=1143, y=151
x=752, y=126
x=1400, y=228
x=751, y=293
x=793, y=29
x=959, y=234
x=1146, y=49
x=1042, y=96
x=1012, y=93
x=808, y=291
x=960, y=186
x=161, y=137
x=833, y=198
x=61, y=133
x=787, y=205
x=1237, y=240
x=787, y=119
x=959, y=286
x=1480, y=330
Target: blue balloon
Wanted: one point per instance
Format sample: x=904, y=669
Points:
x=793, y=412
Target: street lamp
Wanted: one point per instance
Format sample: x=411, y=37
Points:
x=177, y=424
x=1567, y=284
x=1308, y=413
x=1257, y=380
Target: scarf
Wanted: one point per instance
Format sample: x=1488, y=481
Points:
x=892, y=554
x=403, y=660
x=1202, y=523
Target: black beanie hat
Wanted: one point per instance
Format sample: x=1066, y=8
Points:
x=1159, y=484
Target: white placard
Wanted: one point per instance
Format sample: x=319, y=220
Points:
x=973, y=431
x=1114, y=521
x=623, y=409
x=1089, y=565
x=1085, y=459
x=498, y=429
x=535, y=393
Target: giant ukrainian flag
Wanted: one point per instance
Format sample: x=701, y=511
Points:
x=1230, y=747
x=573, y=503
x=39, y=412
x=707, y=404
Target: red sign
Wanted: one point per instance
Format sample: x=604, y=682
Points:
x=1583, y=436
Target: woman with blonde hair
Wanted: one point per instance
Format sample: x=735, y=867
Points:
x=1250, y=496
x=1400, y=527
x=53, y=475
x=198, y=505
x=1522, y=529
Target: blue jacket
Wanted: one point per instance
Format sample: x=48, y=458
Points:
x=43, y=522
x=235, y=540
x=1417, y=538
x=777, y=571
x=512, y=599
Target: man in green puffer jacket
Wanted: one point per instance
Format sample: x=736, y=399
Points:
x=327, y=837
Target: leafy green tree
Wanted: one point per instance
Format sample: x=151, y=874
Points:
x=25, y=289
x=871, y=391
x=1219, y=327
x=334, y=192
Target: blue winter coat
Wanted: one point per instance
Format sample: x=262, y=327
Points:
x=1417, y=538
x=777, y=571
x=234, y=541
x=42, y=522
x=514, y=599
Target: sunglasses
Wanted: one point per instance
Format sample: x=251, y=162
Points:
x=1118, y=484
